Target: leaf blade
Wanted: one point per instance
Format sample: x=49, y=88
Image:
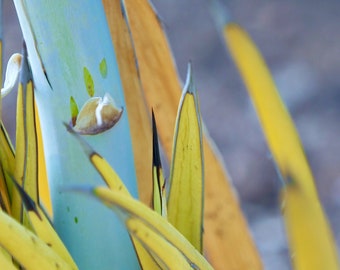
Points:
x=162, y=92
x=301, y=204
x=185, y=203
x=31, y=252
x=131, y=208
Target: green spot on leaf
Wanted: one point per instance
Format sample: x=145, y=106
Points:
x=103, y=68
x=76, y=220
x=88, y=82
x=74, y=110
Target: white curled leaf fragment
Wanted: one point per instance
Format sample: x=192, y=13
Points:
x=12, y=73
x=97, y=115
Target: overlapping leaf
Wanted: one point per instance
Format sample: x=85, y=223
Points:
x=62, y=41
x=162, y=92
x=28, y=249
x=159, y=201
x=137, y=110
x=29, y=170
x=153, y=231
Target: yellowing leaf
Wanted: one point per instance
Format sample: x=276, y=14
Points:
x=185, y=204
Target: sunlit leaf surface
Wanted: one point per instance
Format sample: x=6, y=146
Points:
x=185, y=204
x=224, y=245
x=150, y=228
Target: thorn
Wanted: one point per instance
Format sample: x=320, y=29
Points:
x=26, y=199
x=155, y=153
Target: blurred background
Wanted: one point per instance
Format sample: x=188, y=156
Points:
x=300, y=41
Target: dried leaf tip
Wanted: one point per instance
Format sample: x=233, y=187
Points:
x=189, y=86
x=12, y=73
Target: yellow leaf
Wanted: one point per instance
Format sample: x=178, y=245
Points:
x=7, y=161
x=107, y=173
x=225, y=245
x=43, y=187
x=140, y=220
x=312, y=243
x=16, y=207
x=164, y=254
x=40, y=224
x=26, y=167
x=139, y=119
x=185, y=204
x=6, y=261
x=30, y=251
x=278, y=127
x=310, y=239
x=114, y=182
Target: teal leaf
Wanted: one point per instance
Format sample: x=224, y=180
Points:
x=62, y=38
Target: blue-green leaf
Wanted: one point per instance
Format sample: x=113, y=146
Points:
x=62, y=38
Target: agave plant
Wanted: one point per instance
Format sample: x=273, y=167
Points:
x=72, y=167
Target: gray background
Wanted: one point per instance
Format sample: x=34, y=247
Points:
x=301, y=43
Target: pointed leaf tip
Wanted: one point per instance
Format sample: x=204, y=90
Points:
x=159, y=196
x=156, y=155
x=26, y=199
x=185, y=203
x=189, y=86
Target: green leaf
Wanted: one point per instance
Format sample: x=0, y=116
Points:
x=74, y=110
x=89, y=84
x=103, y=68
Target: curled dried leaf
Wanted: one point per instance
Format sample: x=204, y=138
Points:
x=97, y=115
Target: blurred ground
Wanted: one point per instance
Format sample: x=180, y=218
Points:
x=301, y=44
